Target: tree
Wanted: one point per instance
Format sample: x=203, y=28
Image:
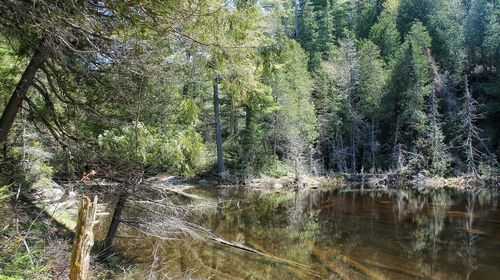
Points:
x=408, y=88
x=293, y=119
x=445, y=26
x=384, y=33
x=218, y=130
x=414, y=10
x=475, y=30
x=308, y=30
x=372, y=79
x=365, y=16
x=41, y=35
x=353, y=91
x=438, y=152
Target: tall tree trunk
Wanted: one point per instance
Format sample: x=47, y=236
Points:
x=396, y=144
x=218, y=130
x=353, y=148
x=16, y=100
x=372, y=144
x=470, y=130
x=113, y=227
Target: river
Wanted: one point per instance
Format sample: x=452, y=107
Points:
x=331, y=234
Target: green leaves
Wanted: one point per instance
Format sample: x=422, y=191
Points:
x=158, y=149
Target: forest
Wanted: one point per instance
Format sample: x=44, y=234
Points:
x=99, y=94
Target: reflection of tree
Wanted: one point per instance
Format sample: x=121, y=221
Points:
x=471, y=251
x=429, y=227
x=340, y=233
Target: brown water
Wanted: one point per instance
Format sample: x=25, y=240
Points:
x=337, y=234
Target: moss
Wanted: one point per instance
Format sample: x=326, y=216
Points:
x=61, y=216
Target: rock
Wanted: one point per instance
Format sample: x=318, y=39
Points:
x=278, y=186
x=45, y=183
x=71, y=194
x=49, y=195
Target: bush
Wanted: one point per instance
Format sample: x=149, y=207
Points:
x=170, y=149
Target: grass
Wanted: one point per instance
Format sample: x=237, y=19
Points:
x=22, y=247
x=4, y=193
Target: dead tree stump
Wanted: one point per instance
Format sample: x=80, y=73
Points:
x=84, y=240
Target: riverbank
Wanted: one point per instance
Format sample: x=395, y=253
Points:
x=38, y=234
x=327, y=222
x=381, y=181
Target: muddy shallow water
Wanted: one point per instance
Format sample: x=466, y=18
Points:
x=335, y=234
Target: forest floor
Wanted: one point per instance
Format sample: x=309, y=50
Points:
x=34, y=245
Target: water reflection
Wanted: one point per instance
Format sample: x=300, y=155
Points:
x=346, y=234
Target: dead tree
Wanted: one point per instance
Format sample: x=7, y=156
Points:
x=84, y=240
x=471, y=131
x=472, y=136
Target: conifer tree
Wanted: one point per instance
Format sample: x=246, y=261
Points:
x=372, y=79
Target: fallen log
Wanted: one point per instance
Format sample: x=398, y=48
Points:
x=252, y=250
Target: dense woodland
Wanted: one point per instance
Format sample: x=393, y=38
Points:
x=230, y=91
x=250, y=87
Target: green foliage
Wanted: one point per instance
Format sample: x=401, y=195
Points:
x=20, y=267
x=411, y=11
x=4, y=193
x=276, y=169
x=158, y=149
x=9, y=70
x=446, y=30
x=408, y=87
x=384, y=33
x=294, y=126
x=475, y=30
x=353, y=84
x=372, y=78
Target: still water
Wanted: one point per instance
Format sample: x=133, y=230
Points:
x=333, y=234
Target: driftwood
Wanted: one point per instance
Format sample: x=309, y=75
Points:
x=83, y=241
x=242, y=247
x=383, y=179
x=182, y=193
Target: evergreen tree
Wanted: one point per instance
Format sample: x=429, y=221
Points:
x=475, y=29
x=372, y=79
x=384, y=33
x=408, y=88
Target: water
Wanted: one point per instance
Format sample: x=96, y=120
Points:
x=335, y=234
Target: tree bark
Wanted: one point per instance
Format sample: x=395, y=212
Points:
x=15, y=101
x=113, y=227
x=218, y=131
x=470, y=130
x=372, y=144
x=84, y=240
x=353, y=148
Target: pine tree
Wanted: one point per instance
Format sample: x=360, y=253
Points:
x=372, y=79
x=384, y=33
x=438, y=153
x=293, y=119
x=475, y=30
x=407, y=89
